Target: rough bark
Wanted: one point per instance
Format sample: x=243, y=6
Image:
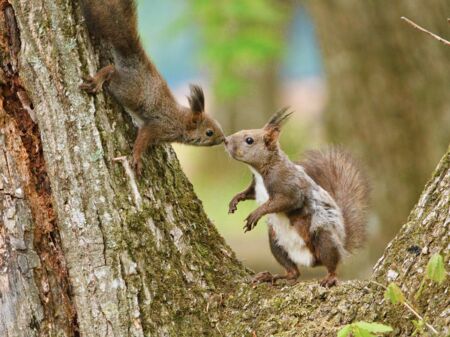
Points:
x=88, y=250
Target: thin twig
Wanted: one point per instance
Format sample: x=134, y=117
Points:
x=134, y=189
x=415, y=25
x=410, y=308
x=378, y=284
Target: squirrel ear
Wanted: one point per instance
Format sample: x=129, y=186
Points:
x=273, y=126
x=196, y=99
x=271, y=136
x=278, y=119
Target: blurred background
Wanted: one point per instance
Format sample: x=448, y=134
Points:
x=355, y=74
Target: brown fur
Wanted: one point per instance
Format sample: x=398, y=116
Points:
x=114, y=21
x=338, y=173
x=326, y=255
x=136, y=84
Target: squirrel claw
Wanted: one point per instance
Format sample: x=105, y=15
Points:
x=329, y=281
x=90, y=85
x=247, y=227
x=232, y=208
x=251, y=222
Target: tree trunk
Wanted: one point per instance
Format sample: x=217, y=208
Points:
x=86, y=249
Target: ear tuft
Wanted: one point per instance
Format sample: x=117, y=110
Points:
x=196, y=99
x=273, y=126
x=278, y=119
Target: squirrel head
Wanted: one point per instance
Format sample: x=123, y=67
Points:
x=202, y=130
x=257, y=147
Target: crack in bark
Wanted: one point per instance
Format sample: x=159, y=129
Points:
x=12, y=195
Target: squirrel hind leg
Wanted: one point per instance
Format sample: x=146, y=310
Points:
x=280, y=253
x=328, y=255
x=292, y=272
x=329, y=281
x=93, y=84
x=144, y=138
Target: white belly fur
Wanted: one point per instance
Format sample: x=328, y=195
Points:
x=285, y=234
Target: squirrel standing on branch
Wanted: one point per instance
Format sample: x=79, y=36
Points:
x=137, y=85
x=317, y=207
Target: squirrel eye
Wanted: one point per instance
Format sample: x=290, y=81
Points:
x=209, y=133
x=249, y=140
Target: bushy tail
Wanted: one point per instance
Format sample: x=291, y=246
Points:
x=114, y=21
x=336, y=171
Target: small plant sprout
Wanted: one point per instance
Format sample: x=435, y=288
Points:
x=435, y=272
x=419, y=327
x=436, y=269
x=394, y=294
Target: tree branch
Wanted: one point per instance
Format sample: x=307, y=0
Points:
x=415, y=25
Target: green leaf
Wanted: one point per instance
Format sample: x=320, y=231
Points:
x=436, y=269
x=373, y=327
x=394, y=294
x=419, y=325
x=345, y=331
x=359, y=332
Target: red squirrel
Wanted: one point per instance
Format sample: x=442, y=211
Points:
x=136, y=84
x=316, y=207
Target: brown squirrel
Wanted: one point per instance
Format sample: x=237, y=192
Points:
x=137, y=85
x=317, y=207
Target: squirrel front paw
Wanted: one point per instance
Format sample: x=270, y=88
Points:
x=90, y=85
x=251, y=221
x=232, y=207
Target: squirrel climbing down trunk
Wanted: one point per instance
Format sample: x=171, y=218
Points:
x=316, y=207
x=136, y=84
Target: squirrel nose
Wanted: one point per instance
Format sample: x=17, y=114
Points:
x=225, y=140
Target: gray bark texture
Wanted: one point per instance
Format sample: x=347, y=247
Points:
x=88, y=250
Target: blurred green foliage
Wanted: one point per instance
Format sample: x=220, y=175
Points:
x=239, y=36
